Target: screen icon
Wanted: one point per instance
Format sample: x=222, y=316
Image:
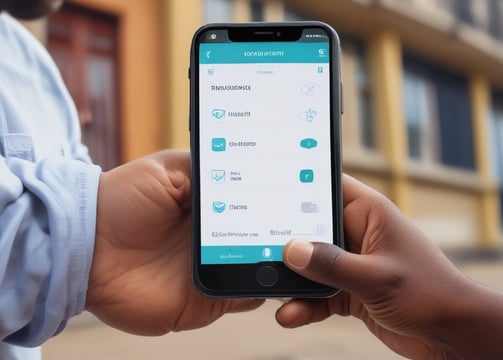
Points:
x=309, y=207
x=306, y=176
x=218, y=144
x=309, y=88
x=321, y=230
x=219, y=207
x=308, y=143
x=218, y=176
x=308, y=116
x=218, y=114
x=267, y=253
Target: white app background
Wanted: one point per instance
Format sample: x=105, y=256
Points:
x=265, y=154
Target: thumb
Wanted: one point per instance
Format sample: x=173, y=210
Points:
x=362, y=275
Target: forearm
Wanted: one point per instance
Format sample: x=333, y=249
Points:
x=47, y=215
x=473, y=329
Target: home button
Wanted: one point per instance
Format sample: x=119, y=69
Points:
x=267, y=276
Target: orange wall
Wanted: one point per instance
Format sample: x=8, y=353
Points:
x=182, y=18
x=140, y=73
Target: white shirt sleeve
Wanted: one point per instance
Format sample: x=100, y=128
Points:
x=48, y=195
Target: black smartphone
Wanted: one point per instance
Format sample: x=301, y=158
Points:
x=265, y=122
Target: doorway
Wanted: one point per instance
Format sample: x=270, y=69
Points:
x=84, y=45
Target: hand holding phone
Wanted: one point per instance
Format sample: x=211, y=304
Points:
x=266, y=163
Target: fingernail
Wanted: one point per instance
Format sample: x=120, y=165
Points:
x=299, y=253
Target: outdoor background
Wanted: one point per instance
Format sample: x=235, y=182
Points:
x=423, y=123
x=248, y=336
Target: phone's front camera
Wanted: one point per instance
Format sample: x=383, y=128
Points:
x=278, y=34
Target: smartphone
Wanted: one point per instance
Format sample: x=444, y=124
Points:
x=265, y=122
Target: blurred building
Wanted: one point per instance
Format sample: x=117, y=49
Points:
x=423, y=92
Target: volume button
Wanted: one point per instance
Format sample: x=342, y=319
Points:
x=342, y=97
x=190, y=110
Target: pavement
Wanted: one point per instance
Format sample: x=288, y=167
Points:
x=246, y=336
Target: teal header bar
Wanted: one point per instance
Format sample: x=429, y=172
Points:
x=264, y=52
x=240, y=254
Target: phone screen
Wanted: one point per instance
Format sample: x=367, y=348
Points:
x=265, y=118
x=265, y=145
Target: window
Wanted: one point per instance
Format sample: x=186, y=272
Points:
x=293, y=15
x=257, y=10
x=421, y=117
x=218, y=11
x=84, y=45
x=495, y=15
x=463, y=10
x=355, y=58
x=438, y=115
x=497, y=141
x=365, y=101
x=444, y=4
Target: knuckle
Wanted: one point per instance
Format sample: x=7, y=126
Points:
x=326, y=257
x=396, y=281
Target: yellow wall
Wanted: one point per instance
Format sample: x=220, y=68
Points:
x=181, y=19
x=448, y=215
x=385, y=53
x=140, y=58
x=489, y=210
x=455, y=208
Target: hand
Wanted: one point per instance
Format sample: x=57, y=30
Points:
x=398, y=283
x=140, y=279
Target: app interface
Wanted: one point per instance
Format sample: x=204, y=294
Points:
x=265, y=159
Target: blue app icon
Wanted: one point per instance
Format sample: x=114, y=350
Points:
x=218, y=144
x=306, y=176
x=218, y=114
x=218, y=176
x=308, y=143
x=219, y=207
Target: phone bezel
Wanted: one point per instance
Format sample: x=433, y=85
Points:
x=240, y=280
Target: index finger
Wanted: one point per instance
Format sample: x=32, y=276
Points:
x=353, y=189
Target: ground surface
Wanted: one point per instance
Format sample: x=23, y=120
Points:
x=250, y=336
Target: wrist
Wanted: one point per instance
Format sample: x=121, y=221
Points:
x=472, y=325
x=98, y=267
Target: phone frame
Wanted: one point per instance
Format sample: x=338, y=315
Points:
x=240, y=280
